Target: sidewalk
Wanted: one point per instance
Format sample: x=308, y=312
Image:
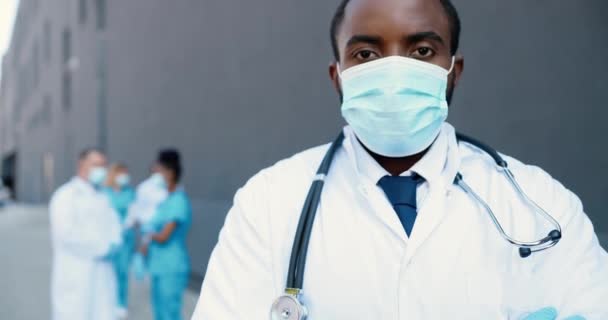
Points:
x=25, y=259
x=25, y=263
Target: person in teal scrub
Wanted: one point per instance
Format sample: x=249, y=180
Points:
x=118, y=188
x=165, y=247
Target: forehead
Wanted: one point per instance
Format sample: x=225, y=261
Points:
x=394, y=18
x=95, y=157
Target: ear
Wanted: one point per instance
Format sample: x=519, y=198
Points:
x=335, y=77
x=458, y=69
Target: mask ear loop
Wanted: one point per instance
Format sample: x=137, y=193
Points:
x=451, y=67
x=339, y=71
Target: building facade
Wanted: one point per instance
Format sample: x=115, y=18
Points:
x=238, y=85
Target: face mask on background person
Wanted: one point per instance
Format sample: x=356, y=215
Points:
x=123, y=180
x=158, y=180
x=97, y=176
x=395, y=105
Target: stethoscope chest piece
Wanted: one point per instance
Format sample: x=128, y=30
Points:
x=288, y=307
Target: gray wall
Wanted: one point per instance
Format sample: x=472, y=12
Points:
x=535, y=88
x=238, y=85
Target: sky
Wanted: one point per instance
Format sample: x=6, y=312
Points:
x=7, y=15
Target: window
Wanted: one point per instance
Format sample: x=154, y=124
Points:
x=66, y=45
x=66, y=78
x=47, y=42
x=101, y=14
x=48, y=172
x=82, y=11
x=47, y=110
x=35, y=66
x=66, y=92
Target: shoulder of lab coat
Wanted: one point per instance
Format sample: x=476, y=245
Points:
x=241, y=262
x=86, y=238
x=574, y=273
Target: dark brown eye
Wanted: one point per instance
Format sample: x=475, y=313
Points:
x=365, y=55
x=423, y=52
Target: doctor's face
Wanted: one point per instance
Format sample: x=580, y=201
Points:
x=93, y=160
x=373, y=29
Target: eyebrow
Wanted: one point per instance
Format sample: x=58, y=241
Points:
x=421, y=36
x=361, y=38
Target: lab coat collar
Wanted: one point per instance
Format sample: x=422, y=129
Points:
x=82, y=185
x=431, y=166
x=438, y=166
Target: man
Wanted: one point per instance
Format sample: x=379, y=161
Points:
x=394, y=237
x=86, y=234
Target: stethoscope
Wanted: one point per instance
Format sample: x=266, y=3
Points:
x=289, y=306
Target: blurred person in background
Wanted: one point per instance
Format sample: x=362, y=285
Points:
x=165, y=244
x=86, y=235
x=148, y=195
x=118, y=188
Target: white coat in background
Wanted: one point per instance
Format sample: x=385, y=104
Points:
x=362, y=265
x=148, y=195
x=83, y=227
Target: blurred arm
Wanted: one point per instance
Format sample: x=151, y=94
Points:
x=165, y=234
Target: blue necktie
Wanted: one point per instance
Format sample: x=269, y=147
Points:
x=401, y=192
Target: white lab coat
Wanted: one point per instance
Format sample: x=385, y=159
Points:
x=83, y=228
x=148, y=196
x=361, y=264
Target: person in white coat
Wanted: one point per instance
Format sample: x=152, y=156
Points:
x=394, y=237
x=86, y=234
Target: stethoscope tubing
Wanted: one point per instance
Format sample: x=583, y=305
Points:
x=299, y=251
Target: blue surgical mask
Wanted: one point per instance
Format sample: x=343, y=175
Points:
x=123, y=180
x=395, y=105
x=97, y=176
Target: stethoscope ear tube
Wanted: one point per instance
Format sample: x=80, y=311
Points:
x=549, y=241
x=484, y=147
x=525, y=248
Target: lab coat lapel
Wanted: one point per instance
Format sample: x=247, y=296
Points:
x=370, y=196
x=430, y=216
x=435, y=208
x=383, y=210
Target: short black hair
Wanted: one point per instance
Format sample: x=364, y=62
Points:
x=171, y=159
x=84, y=153
x=449, y=8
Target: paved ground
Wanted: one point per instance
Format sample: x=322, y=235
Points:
x=25, y=257
x=25, y=260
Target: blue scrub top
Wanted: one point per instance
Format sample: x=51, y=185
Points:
x=172, y=256
x=121, y=200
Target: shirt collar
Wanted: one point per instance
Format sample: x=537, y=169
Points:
x=83, y=185
x=431, y=166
